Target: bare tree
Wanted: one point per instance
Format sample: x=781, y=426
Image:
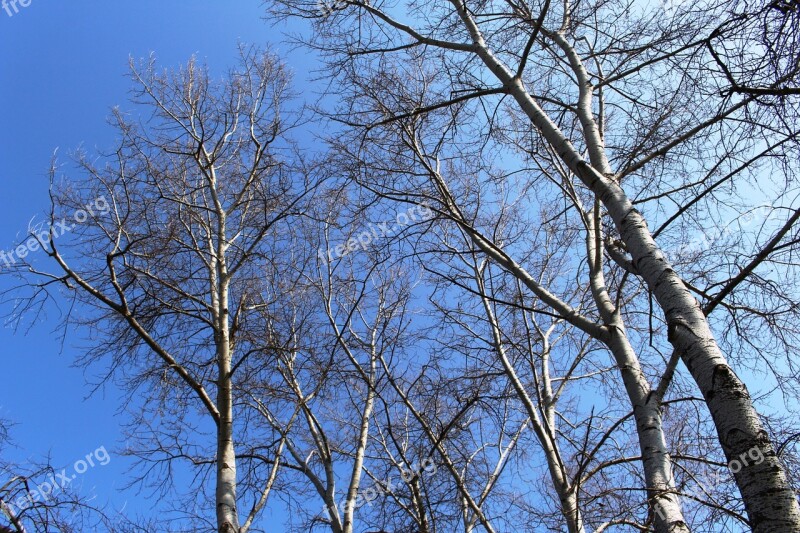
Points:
x=618, y=99
x=757, y=49
x=510, y=343
x=187, y=219
x=450, y=408
x=34, y=498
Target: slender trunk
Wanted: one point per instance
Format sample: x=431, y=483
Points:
x=659, y=480
x=467, y=517
x=546, y=435
x=361, y=450
x=656, y=461
x=769, y=499
x=227, y=515
x=419, y=504
x=225, y=493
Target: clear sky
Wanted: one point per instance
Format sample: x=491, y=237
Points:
x=62, y=68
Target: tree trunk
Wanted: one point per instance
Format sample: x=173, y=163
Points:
x=656, y=462
x=659, y=480
x=769, y=499
x=361, y=451
x=227, y=515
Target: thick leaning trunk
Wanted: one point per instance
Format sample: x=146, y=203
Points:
x=769, y=499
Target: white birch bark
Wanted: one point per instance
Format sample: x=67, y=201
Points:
x=769, y=498
x=646, y=405
x=225, y=491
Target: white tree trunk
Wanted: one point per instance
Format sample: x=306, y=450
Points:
x=227, y=515
x=650, y=431
x=768, y=497
x=361, y=450
x=227, y=512
x=659, y=480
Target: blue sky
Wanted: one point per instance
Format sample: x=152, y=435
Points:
x=62, y=68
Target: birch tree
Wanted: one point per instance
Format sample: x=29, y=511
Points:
x=430, y=391
x=167, y=272
x=621, y=99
